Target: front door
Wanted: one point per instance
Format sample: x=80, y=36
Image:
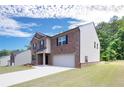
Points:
x=47, y=58
x=40, y=59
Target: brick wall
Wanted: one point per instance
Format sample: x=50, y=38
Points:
x=73, y=45
x=37, y=42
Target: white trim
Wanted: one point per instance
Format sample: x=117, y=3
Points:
x=44, y=59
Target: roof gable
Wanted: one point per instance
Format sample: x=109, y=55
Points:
x=38, y=35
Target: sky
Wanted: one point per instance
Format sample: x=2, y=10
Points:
x=18, y=23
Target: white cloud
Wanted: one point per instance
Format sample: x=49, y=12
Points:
x=73, y=24
x=29, y=25
x=8, y=23
x=50, y=33
x=14, y=33
x=56, y=27
x=96, y=13
x=10, y=27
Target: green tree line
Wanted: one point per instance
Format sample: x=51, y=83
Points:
x=111, y=36
x=5, y=52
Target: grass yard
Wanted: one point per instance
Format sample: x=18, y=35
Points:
x=102, y=74
x=13, y=69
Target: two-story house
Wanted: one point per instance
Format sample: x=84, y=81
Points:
x=70, y=49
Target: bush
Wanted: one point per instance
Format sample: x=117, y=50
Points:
x=28, y=64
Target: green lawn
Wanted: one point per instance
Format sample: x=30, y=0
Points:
x=102, y=74
x=13, y=69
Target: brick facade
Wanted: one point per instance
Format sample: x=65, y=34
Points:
x=36, y=40
x=73, y=46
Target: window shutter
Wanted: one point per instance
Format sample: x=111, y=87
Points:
x=39, y=44
x=35, y=45
x=66, y=39
x=94, y=44
x=57, y=41
x=97, y=45
x=44, y=44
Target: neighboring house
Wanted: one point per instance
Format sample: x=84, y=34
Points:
x=23, y=58
x=16, y=58
x=69, y=49
x=4, y=61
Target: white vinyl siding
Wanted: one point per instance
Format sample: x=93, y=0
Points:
x=89, y=43
x=23, y=58
x=4, y=61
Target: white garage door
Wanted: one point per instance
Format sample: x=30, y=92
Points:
x=66, y=60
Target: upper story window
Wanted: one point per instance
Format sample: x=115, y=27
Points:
x=42, y=44
x=94, y=44
x=34, y=45
x=62, y=40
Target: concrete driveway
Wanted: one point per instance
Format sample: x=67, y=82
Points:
x=22, y=76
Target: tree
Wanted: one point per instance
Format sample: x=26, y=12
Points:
x=4, y=52
x=114, y=18
x=111, y=36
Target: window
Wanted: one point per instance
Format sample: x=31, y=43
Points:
x=62, y=40
x=34, y=46
x=33, y=57
x=94, y=44
x=42, y=44
x=97, y=46
x=59, y=41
